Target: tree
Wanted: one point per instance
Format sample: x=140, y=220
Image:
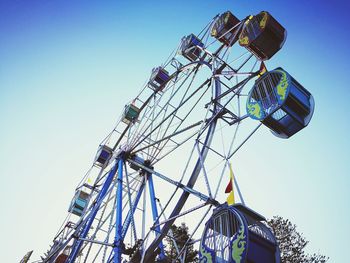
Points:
x=180, y=236
x=292, y=243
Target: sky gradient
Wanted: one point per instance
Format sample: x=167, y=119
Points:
x=67, y=69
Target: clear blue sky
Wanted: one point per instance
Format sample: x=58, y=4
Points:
x=68, y=67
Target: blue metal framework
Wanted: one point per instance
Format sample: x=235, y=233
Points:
x=155, y=213
x=120, y=228
x=118, y=241
x=90, y=218
x=130, y=214
x=149, y=147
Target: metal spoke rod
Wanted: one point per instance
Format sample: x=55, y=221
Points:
x=174, y=111
x=96, y=242
x=245, y=140
x=243, y=82
x=180, y=215
x=170, y=136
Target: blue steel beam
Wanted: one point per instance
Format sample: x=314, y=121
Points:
x=155, y=213
x=83, y=233
x=118, y=240
x=131, y=213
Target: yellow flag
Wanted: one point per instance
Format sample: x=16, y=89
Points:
x=231, y=197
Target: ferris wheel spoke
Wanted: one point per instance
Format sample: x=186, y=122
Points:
x=185, y=117
x=185, y=188
x=173, y=115
x=183, y=101
x=168, y=105
x=211, y=149
x=182, y=214
x=244, y=141
x=170, y=115
x=147, y=120
x=226, y=162
x=170, y=233
x=169, y=136
x=194, y=231
x=173, y=93
x=203, y=170
x=184, y=95
x=239, y=85
x=174, y=148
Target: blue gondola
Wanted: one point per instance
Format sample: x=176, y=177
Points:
x=263, y=35
x=190, y=47
x=79, y=203
x=103, y=155
x=281, y=103
x=226, y=29
x=159, y=78
x=237, y=234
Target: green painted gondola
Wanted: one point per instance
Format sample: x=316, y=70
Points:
x=262, y=35
x=280, y=103
x=131, y=113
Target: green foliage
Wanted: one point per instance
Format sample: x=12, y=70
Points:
x=291, y=243
x=181, y=236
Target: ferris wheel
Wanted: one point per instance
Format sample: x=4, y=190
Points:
x=169, y=155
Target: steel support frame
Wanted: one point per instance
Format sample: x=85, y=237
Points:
x=90, y=218
x=155, y=213
x=118, y=240
x=130, y=214
x=185, y=188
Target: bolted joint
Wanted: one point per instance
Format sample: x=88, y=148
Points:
x=122, y=155
x=120, y=244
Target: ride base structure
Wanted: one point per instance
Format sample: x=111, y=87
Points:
x=168, y=154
